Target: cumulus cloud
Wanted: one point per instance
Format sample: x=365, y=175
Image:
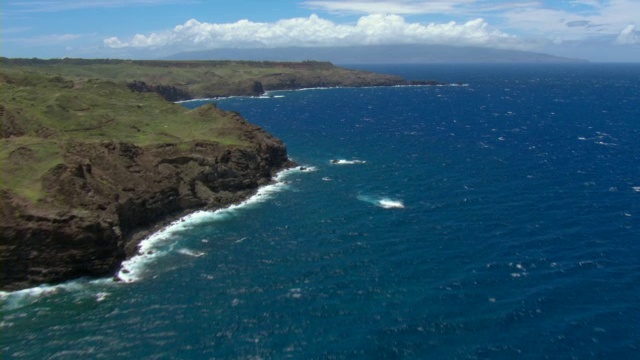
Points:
x=316, y=31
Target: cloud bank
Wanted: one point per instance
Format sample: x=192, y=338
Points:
x=372, y=29
x=602, y=21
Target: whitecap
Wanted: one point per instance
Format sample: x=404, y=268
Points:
x=390, y=204
x=192, y=253
x=295, y=293
x=267, y=95
x=347, y=162
x=195, y=100
x=101, y=296
x=383, y=202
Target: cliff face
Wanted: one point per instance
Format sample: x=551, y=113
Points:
x=106, y=195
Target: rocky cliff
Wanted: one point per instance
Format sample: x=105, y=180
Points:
x=81, y=187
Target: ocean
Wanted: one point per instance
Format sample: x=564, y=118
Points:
x=497, y=218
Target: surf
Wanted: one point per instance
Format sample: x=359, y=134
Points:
x=383, y=202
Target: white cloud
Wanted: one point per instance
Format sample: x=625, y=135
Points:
x=536, y=20
x=628, y=36
x=114, y=43
x=601, y=21
x=316, y=31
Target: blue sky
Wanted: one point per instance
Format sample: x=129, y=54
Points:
x=597, y=30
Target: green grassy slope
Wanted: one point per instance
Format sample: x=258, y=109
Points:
x=42, y=114
x=49, y=104
x=208, y=78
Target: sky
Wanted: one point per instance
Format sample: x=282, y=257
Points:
x=595, y=30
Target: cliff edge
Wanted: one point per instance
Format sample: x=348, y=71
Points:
x=89, y=167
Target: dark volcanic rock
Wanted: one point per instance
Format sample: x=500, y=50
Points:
x=108, y=195
x=170, y=93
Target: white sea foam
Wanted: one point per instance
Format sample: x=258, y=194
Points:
x=306, y=169
x=636, y=188
x=19, y=298
x=347, y=162
x=267, y=96
x=295, y=293
x=189, y=252
x=390, y=204
x=383, y=202
x=163, y=242
x=196, y=100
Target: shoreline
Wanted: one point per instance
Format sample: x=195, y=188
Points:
x=267, y=94
x=146, y=252
x=158, y=232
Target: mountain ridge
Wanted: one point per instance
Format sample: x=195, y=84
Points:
x=378, y=54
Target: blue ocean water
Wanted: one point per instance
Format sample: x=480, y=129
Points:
x=493, y=220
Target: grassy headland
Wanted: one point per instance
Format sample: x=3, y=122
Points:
x=42, y=115
x=205, y=79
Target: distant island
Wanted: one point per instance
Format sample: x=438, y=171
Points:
x=381, y=54
x=95, y=154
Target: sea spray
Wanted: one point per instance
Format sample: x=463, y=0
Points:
x=164, y=241
x=382, y=201
x=80, y=287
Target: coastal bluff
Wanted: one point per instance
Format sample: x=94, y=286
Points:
x=90, y=167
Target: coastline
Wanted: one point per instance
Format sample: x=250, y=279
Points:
x=100, y=198
x=131, y=268
x=133, y=192
x=269, y=93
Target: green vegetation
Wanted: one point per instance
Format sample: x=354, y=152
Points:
x=203, y=79
x=93, y=155
x=42, y=114
x=49, y=104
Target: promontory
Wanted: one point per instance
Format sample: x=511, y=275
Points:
x=95, y=153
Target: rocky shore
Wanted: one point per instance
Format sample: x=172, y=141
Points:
x=108, y=195
x=89, y=167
